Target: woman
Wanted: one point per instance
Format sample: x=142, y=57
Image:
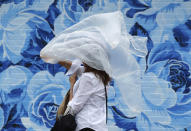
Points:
x=87, y=99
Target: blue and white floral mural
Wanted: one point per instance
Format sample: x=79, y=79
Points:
x=31, y=90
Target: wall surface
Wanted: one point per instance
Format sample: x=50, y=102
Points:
x=31, y=90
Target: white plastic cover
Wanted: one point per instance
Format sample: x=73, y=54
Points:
x=101, y=41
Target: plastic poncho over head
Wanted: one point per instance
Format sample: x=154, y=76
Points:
x=101, y=41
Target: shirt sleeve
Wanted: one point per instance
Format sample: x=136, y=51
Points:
x=75, y=67
x=85, y=90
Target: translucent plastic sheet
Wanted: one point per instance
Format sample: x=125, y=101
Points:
x=101, y=41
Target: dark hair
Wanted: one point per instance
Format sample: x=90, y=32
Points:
x=102, y=75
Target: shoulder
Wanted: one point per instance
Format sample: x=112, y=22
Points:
x=89, y=76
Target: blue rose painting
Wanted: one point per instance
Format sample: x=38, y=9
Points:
x=31, y=90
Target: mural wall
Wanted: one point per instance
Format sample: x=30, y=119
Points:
x=31, y=90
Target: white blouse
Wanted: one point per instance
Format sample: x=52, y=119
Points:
x=88, y=103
